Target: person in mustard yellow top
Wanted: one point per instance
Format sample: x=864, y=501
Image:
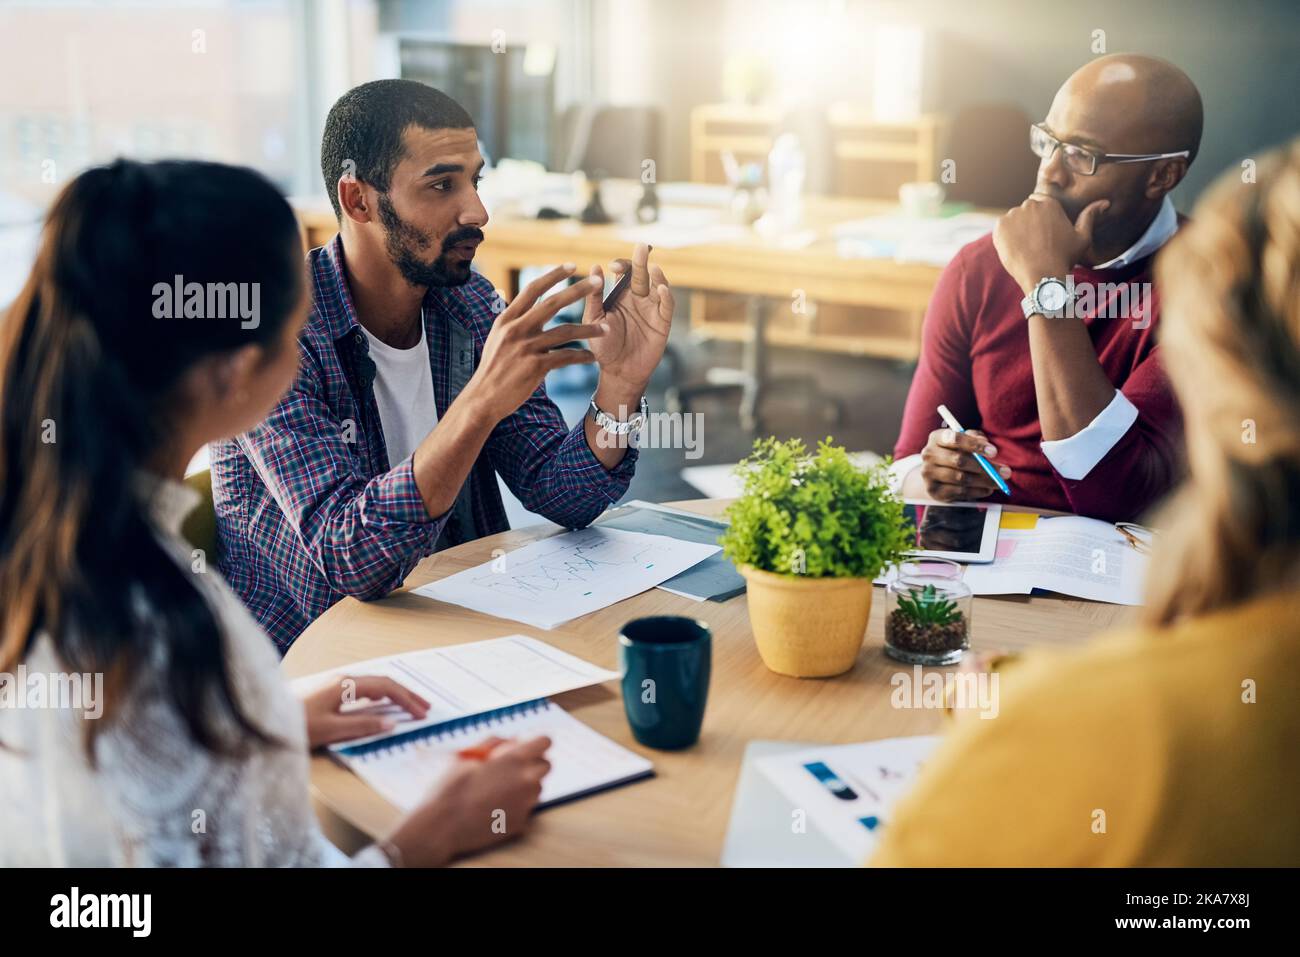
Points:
x=1172, y=743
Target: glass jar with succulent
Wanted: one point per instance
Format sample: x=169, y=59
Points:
x=927, y=613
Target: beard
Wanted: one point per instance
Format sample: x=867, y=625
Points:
x=406, y=242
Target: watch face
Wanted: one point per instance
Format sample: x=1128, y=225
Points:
x=1051, y=296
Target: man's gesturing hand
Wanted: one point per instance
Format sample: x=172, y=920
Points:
x=638, y=325
x=519, y=351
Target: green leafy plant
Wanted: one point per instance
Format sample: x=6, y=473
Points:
x=817, y=515
x=927, y=607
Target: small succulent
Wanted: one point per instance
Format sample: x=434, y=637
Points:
x=926, y=606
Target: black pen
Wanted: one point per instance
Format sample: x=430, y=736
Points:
x=624, y=281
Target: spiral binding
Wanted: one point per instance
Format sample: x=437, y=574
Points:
x=484, y=720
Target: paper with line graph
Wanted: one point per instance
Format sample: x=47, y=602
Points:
x=567, y=576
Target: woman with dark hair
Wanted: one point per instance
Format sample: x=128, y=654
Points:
x=162, y=313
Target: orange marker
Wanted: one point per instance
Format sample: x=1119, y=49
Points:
x=480, y=752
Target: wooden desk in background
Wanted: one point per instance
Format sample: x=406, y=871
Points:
x=897, y=293
x=680, y=816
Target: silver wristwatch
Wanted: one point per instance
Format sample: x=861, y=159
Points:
x=613, y=425
x=1048, y=299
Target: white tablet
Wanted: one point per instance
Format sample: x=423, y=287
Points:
x=964, y=532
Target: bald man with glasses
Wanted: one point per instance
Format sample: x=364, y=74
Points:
x=1041, y=337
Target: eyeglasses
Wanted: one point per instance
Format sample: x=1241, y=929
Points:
x=1138, y=536
x=1085, y=161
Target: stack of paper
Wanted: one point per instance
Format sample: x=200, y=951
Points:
x=460, y=680
x=714, y=579
x=1070, y=555
x=477, y=690
x=564, y=577
x=848, y=791
x=406, y=768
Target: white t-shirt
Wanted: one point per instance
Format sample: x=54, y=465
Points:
x=404, y=393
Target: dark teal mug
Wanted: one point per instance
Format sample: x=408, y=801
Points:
x=666, y=662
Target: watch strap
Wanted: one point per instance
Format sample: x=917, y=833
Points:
x=617, y=426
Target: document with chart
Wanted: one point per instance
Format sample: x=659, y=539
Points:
x=849, y=790
x=567, y=576
x=464, y=679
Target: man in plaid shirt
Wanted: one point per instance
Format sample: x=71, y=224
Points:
x=348, y=483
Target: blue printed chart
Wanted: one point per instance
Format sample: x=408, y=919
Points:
x=567, y=576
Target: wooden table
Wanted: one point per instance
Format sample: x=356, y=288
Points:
x=680, y=816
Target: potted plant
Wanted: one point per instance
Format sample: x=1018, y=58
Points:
x=809, y=533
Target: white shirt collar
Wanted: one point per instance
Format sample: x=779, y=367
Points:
x=381, y=347
x=1160, y=231
x=167, y=501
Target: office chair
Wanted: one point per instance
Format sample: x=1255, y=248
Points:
x=989, y=143
x=607, y=141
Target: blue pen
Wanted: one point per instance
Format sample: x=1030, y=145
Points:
x=951, y=421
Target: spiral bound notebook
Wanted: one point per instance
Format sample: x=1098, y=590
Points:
x=404, y=768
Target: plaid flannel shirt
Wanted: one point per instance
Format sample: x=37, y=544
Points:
x=309, y=509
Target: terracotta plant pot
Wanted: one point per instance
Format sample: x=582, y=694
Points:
x=807, y=627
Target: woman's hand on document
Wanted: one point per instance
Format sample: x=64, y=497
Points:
x=486, y=798
x=331, y=717
x=481, y=802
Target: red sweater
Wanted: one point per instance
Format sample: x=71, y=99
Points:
x=975, y=359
